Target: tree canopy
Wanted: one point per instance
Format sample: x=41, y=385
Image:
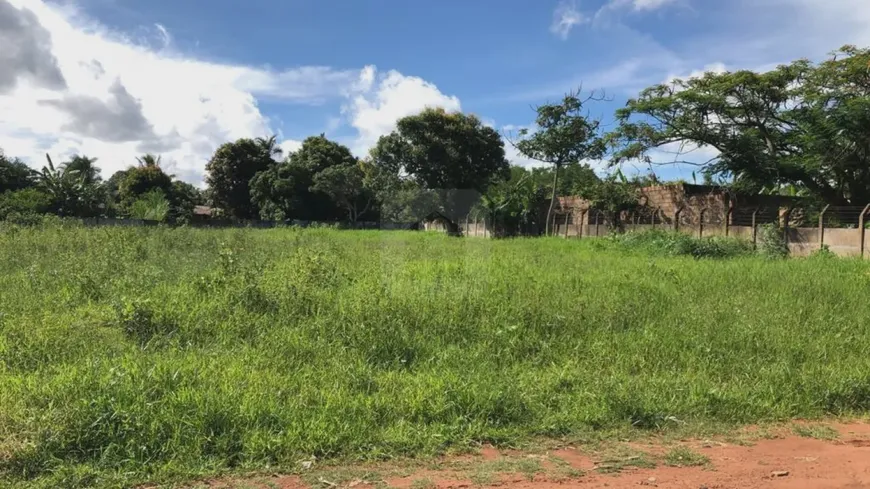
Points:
x=800, y=124
x=564, y=134
x=452, y=154
x=229, y=173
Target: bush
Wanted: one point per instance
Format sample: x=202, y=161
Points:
x=771, y=241
x=26, y=202
x=679, y=244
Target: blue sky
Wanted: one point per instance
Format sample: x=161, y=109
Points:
x=179, y=77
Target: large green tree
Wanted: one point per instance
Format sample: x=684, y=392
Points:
x=139, y=180
x=453, y=155
x=294, y=188
x=14, y=174
x=802, y=124
x=344, y=184
x=229, y=174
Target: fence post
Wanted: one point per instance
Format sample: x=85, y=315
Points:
x=484, y=227
x=861, y=227
x=786, y=216
x=597, y=223
x=582, y=219
x=728, y=217
x=701, y=222
x=467, y=229
x=822, y=226
x=754, y=227
x=677, y=214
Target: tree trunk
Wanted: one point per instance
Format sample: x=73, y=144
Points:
x=552, y=200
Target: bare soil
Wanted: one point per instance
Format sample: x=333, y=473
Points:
x=795, y=457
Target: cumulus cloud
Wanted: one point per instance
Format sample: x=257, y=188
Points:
x=565, y=18
x=117, y=119
x=26, y=50
x=76, y=87
x=379, y=100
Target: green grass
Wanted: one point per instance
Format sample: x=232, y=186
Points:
x=151, y=355
x=685, y=457
x=817, y=431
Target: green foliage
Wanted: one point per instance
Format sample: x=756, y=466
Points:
x=672, y=243
x=151, y=206
x=72, y=194
x=24, y=202
x=771, y=241
x=229, y=173
x=564, y=134
x=14, y=174
x=344, y=185
x=685, y=457
x=133, y=356
x=137, y=181
x=289, y=191
x=84, y=167
x=612, y=196
x=453, y=155
x=801, y=125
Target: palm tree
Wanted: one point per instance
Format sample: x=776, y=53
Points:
x=149, y=161
x=84, y=167
x=69, y=189
x=269, y=146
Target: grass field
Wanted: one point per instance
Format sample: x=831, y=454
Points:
x=137, y=355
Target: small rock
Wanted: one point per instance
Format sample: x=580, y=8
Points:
x=779, y=473
x=703, y=486
x=651, y=480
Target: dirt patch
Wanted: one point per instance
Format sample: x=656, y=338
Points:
x=802, y=456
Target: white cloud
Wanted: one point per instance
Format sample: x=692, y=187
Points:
x=565, y=18
x=289, y=146
x=650, y=4
x=379, y=100
x=88, y=90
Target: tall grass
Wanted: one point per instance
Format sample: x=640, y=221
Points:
x=152, y=354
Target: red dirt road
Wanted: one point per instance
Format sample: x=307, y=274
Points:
x=790, y=461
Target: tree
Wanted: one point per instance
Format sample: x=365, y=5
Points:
x=344, y=185
x=149, y=160
x=451, y=154
x=269, y=146
x=14, y=174
x=71, y=193
x=85, y=168
x=287, y=190
x=183, y=197
x=801, y=124
x=564, y=135
x=140, y=180
x=29, y=201
x=229, y=174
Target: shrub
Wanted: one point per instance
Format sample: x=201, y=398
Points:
x=771, y=241
x=679, y=244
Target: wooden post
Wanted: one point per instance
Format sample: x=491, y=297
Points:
x=677, y=214
x=822, y=226
x=786, y=216
x=728, y=217
x=701, y=222
x=754, y=227
x=861, y=227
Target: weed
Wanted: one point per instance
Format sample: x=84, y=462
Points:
x=817, y=431
x=685, y=457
